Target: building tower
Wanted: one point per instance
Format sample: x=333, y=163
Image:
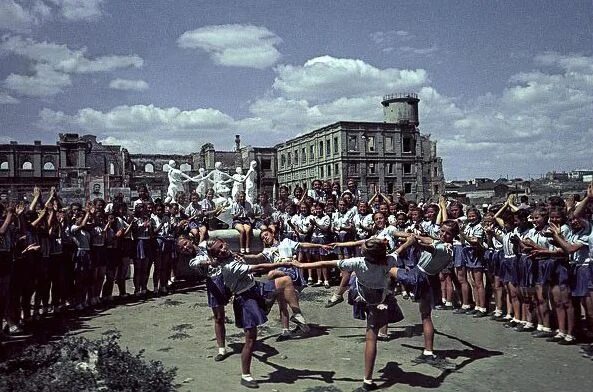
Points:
x=401, y=109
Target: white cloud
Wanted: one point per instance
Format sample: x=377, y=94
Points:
x=52, y=64
x=326, y=78
x=14, y=17
x=126, y=84
x=390, y=37
x=235, y=45
x=147, y=125
x=6, y=99
x=45, y=81
x=76, y=10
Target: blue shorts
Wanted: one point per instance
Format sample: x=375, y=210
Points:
x=295, y=274
x=218, y=294
x=562, y=274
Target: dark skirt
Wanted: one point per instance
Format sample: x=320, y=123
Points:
x=580, y=279
x=291, y=235
x=528, y=269
x=165, y=246
x=322, y=240
x=218, y=294
x=375, y=316
x=458, y=259
x=472, y=258
x=249, y=306
x=562, y=274
x=143, y=249
x=113, y=256
x=295, y=274
x=423, y=286
x=98, y=256
x=127, y=248
x=545, y=271
x=493, y=260
x=509, y=270
x=82, y=261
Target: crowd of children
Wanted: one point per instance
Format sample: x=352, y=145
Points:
x=529, y=267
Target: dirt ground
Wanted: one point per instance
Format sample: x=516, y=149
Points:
x=178, y=330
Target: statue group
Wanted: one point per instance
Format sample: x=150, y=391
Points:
x=218, y=180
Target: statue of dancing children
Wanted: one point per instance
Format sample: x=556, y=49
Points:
x=175, y=181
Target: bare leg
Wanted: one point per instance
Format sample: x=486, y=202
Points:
x=219, y=327
x=247, y=352
x=370, y=353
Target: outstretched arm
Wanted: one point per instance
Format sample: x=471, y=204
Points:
x=317, y=264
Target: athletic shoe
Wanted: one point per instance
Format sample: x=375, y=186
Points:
x=527, y=329
x=439, y=307
x=471, y=312
x=568, y=342
x=221, y=357
x=300, y=321
x=334, y=300
x=496, y=317
x=510, y=324
x=480, y=314
x=249, y=383
x=461, y=310
x=326, y=285
x=285, y=335
x=555, y=339
x=317, y=284
x=543, y=334
x=434, y=360
x=367, y=387
x=383, y=337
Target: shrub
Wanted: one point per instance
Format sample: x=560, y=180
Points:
x=78, y=364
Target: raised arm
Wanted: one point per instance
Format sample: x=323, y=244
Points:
x=581, y=208
x=36, y=196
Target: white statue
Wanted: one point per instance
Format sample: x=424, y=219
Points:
x=175, y=181
x=250, y=195
x=238, y=183
x=202, y=187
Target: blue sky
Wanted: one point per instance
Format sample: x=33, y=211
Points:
x=506, y=87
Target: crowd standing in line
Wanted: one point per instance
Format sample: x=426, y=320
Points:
x=528, y=267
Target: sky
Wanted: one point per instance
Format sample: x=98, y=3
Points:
x=505, y=87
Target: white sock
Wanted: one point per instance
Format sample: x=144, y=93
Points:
x=540, y=327
x=444, y=300
x=448, y=303
x=529, y=324
x=547, y=329
x=222, y=350
x=568, y=337
x=285, y=330
x=427, y=352
x=517, y=320
x=366, y=381
x=247, y=377
x=465, y=306
x=560, y=334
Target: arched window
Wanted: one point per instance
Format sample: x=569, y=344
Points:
x=27, y=165
x=149, y=168
x=111, y=169
x=49, y=166
x=4, y=165
x=185, y=167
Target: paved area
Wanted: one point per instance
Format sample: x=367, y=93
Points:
x=177, y=330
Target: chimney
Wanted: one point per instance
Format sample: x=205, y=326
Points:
x=237, y=142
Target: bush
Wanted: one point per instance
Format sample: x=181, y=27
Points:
x=78, y=364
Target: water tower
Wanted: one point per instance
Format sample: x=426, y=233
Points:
x=401, y=109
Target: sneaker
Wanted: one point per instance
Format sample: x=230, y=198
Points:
x=247, y=250
x=439, y=307
x=555, y=339
x=326, y=285
x=510, y=324
x=543, y=334
x=334, y=300
x=497, y=317
x=568, y=342
x=383, y=337
x=318, y=284
x=471, y=312
x=434, y=360
x=367, y=387
x=221, y=357
x=300, y=321
x=285, y=335
x=461, y=310
x=249, y=383
x=480, y=314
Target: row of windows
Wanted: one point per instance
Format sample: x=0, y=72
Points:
x=28, y=166
x=369, y=144
x=324, y=148
x=407, y=168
